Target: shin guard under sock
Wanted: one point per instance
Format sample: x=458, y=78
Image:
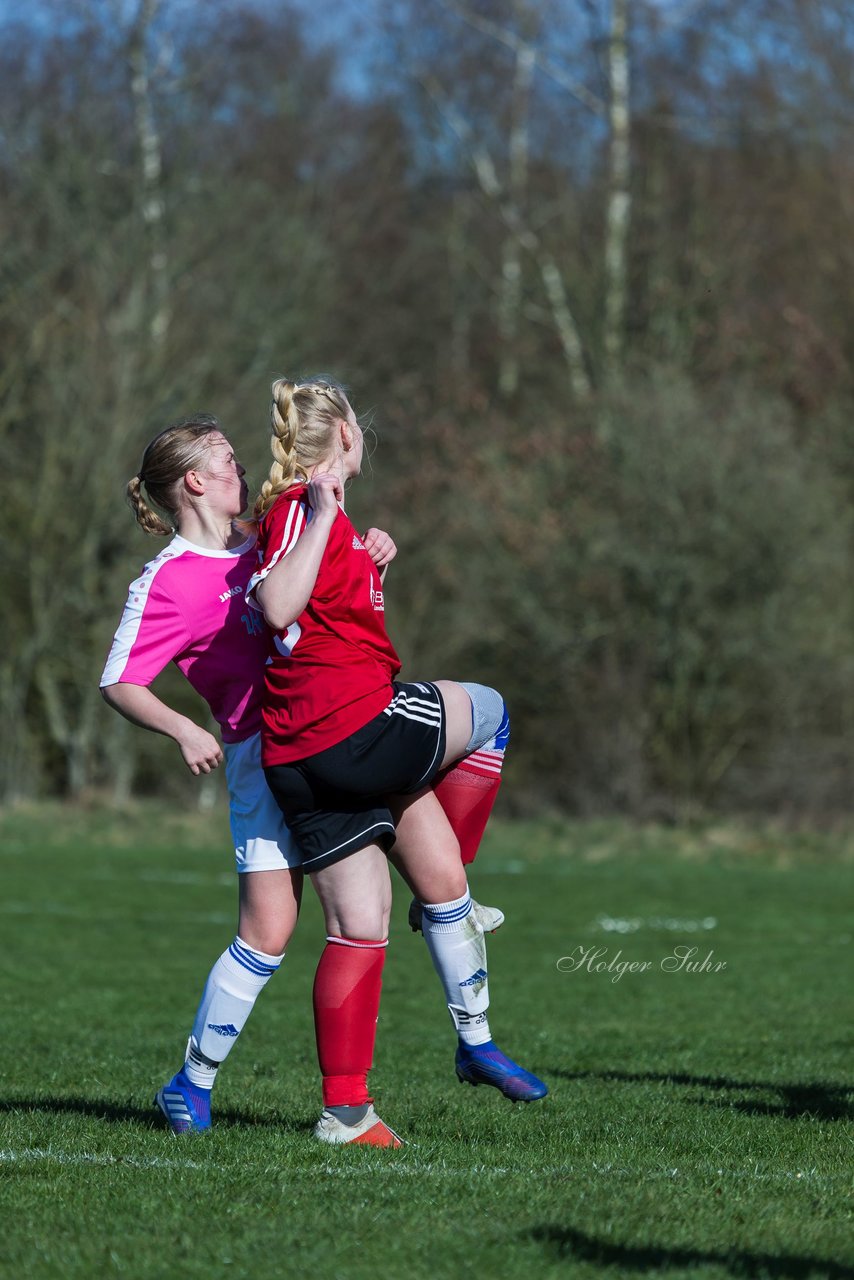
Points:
x=467, y=793
x=457, y=948
x=234, y=984
x=466, y=790
x=347, y=989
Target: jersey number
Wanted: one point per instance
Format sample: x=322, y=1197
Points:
x=252, y=622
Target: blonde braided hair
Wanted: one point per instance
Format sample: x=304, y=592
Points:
x=180, y=448
x=303, y=419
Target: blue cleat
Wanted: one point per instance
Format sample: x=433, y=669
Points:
x=486, y=1064
x=187, y=1108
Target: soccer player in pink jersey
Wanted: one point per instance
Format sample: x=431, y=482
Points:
x=356, y=759
x=188, y=606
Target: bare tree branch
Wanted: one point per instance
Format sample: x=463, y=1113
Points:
x=153, y=208
x=546, y=64
x=484, y=167
x=619, y=191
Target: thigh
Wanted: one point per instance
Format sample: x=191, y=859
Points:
x=426, y=851
x=356, y=894
x=458, y=720
x=269, y=907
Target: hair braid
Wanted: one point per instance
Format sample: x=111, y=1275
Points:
x=284, y=423
x=303, y=418
x=147, y=519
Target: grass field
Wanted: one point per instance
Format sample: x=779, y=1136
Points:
x=698, y=1123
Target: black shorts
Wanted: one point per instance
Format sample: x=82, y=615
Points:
x=335, y=802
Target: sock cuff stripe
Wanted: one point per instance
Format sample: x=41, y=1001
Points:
x=365, y=943
x=251, y=957
x=448, y=917
x=493, y=761
x=250, y=961
x=261, y=956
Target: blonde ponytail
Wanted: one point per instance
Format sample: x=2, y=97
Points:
x=147, y=519
x=303, y=421
x=182, y=447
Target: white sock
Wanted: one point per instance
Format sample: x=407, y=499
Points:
x=458, y=950
x=234, y=984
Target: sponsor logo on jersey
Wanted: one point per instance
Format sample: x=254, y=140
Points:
x=232, y=591
x=228, y=1030
x=377, y=602
x=357, y=545
x=476, y=980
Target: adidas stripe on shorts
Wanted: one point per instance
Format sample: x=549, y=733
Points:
x=334, y=802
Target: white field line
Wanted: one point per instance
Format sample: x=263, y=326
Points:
x=36, y=1155
x=666, y=924
x=47, y=1155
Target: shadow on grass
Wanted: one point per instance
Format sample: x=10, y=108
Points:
x=129, y=1113
x=821, y=1101
x=575, y=1246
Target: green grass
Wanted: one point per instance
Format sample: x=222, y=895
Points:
x=698, y=1123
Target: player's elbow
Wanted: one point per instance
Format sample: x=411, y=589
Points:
x=117, y=695
x=277, y=618
x=108, y=694
x=278, y=609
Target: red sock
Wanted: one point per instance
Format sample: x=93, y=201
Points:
x=466, y=791
x=347, y=989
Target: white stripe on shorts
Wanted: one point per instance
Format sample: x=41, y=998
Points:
x=416, y=708
x=421, y=719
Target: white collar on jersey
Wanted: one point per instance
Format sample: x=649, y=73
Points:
x=183, y=544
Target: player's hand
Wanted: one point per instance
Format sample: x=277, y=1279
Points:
x=200, y=749
x=380, y=547
x=324, y=494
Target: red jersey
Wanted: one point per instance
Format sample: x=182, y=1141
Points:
x=330, y=672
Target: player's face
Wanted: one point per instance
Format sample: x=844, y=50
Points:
x=226, y=487
x=353, y=459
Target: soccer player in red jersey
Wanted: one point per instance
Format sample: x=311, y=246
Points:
x=351, y=754
x=188, y=606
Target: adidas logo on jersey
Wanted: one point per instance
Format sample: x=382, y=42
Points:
x=228, y=1030
x=357, y=545
x=476, y=979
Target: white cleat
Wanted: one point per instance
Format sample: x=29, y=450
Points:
x=370, y=1132
x=489, y=918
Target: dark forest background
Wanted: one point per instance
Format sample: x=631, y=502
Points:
x=590, y=267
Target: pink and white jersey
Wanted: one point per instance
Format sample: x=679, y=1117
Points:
x=189, y=607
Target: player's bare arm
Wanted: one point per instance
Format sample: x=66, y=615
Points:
x=287, y=588
x=200, y=750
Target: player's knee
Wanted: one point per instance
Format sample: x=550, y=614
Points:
x=490, y=719
x=367, y=922
x=264, y=931
x=269, y=941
